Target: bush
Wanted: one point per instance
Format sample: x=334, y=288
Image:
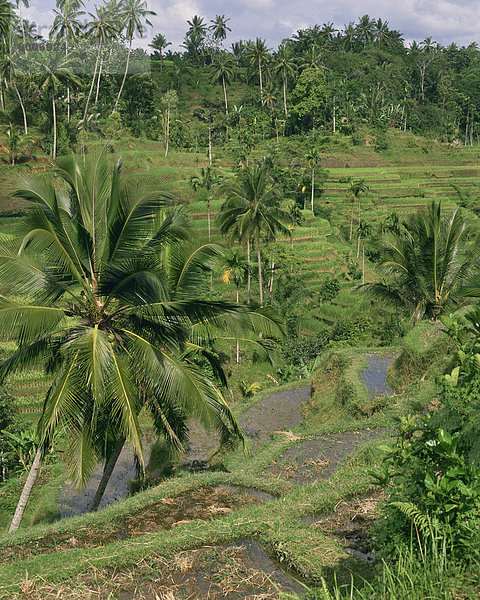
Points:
x=328, y=290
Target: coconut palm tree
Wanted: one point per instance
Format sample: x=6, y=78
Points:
x=67, y=26
x=252, y=210
x=222, y=71
x=313, y=157
x=102, y=28
x=284, y=65
x=258, y=53
x=427, y=265
x=111, y=309
x=159, y=43
x=207, y=181
x=219, y=28
x=134, y=19
x=22, y=27
x=56, y=70
x=356, y=188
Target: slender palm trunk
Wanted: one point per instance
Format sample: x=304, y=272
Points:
x=68, y=87
x=124, y=76
x=260, y=278
x=23, y=27
x=2, y=102
x=313, y=187
x=107, y=472
x=209, y=144
x=249, y=277
x=238, y=343
x=93, y=82
x=54, y=154
x=285, y=95
x=358, y=246
x=208, y=220
x=261, y=78
x=351, y=222
x=225, y=94
x=27, y=490
x=363, y=264
x=98, y=81
x=25, y=124
x=167, y=131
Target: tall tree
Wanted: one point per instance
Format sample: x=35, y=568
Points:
x=112, y=306
x=252, y=210
x=219, y=28
x=258, y=53
x=222, y=71
x=313, y=157
x=206, y=182
x=159, y=43
x=134, y=20
x=284, y=64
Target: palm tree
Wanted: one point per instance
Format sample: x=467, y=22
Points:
x=285, y=65
x=252, y=210
x=22, y=27
x=15, y=141
x=365, y=30
x=102, y=28
x=313, y=158
x=219, y=28
x=57, y=70
x=426, y=265
x=236, y=268
x=257, y=52
x=159, y=43
x=134, y=20
x=67, y=25
x=222, y=71
x=356, y=188
x=197, y=27
x=9, y=63
x=111, y=310
x=207, y=181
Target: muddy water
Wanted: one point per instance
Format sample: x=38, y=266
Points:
x=318, y=458
x=374, y=376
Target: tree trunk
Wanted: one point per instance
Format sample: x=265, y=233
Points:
x=238, y=343
x=225, y=94
x=285, y=96
x=25, y=124
x=97, y=93
x=54, y=125
x=209, y=144
x=313, y=188
x=208, y=219
x=363, y=264
x=92, y=84
x=68, y=87
x=167, y=131
x=249, y=277
x=260, y=75
x=334, y=115
x=107, y=472
x=22, y=26
x=27, y=490
x=2, y=102
x=351, y=222
x=260, y=278
x=124, y=76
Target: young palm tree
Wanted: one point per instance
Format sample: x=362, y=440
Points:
x=356, y=188
x=252, y=210
x=111, y=310
x=15, y=141
x=222, y=71
x=159, y=43
x=207, y=181
x=427, y=264
x=134, y=20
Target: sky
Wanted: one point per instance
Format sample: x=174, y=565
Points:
x=445, y=21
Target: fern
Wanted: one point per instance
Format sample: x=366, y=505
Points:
x=413, y=513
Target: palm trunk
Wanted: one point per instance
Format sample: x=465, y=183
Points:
x=238, y=343
x=363, y=264
x=351, y=223
x=271, y=277
x=93, y=83
x=2, y=102
x=107, y=473
x=68, y=87
x=358, y=246
x=98, y=81
x=261, y=80
x=25, y=124
x=54, y=126
x=167, y=131
x=27, y=490
x=249, y=277
x=208, y=219
x=124, y=76
x=209, y=144
x=313, y=187
x=260, y=278
x=22, y=26
x=225, y=94
x=285, y=96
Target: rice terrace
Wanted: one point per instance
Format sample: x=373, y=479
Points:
x=239, y=286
